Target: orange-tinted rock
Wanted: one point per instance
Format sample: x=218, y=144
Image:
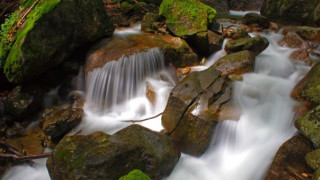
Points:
x=302, y=55
x=176, y=50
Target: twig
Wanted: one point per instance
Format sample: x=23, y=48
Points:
x=24, y=158
x=133, y=121
x=140, y=5
x=9, y=148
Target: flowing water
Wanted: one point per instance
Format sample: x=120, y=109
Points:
x=241, y=149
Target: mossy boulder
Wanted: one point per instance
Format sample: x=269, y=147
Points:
x=236, y=63
x=23, y=101
x=135, y=175
x=101, y=156
x=313, y=159
x=308, y=88
x=256, y=44
x=187, y=17
x=149, y=20
x=38, y=45
x=56, y=121
x=289, y=161
x=308, y=33
x=255, y=18
x=193, y=109
x=316, y=175
x=309, y=125
x=292, y=12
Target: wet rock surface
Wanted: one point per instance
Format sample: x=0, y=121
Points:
x=175, y=50
x=236, y=63
x=58, y=120
x=256, y=44
x=289, y=162
x=254, y=18
x=101, y=156
x=193, y=109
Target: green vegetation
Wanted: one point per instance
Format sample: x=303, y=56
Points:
x=16, y=27
x=135, y=175
x=187, y=17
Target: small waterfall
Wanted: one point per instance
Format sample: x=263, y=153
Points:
x=120, y=81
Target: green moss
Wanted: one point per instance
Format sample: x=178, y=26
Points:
x=135, y=175
x=311, y=85
x=309, y=125
x=187, y=17
x=10, y=47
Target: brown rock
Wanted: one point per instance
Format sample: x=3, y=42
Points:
x=293, y=40
x=236, y=63
x=289, y=162
x=176, y=50
x=194, y=108
x=302, y=55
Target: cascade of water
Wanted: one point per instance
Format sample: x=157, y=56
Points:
x=119, y=81
x=245, y=148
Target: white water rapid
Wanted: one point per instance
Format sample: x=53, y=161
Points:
x=241, y=150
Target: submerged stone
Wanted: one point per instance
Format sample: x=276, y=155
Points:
x=50, y=32
x=101, y=156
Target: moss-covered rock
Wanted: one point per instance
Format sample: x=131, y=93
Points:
x=292, y=11
x=309, y=125
x=316, y=175
x=186, y=17
x=256, y=44
x=193, y=109
x=236, y=63
x=135, y=175
x=101, y=156
x=38, y=45
x=255, y=18
x=313, y=159
x=289, y=161
x=308, y=88
x=148, y=21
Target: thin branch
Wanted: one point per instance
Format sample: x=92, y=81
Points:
x=9, y=148
x=133, y=121
x=140, y=5
x=24, y=158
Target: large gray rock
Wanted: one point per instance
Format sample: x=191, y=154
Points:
x=101, y=156
x=50, y=34
x=193, y=109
